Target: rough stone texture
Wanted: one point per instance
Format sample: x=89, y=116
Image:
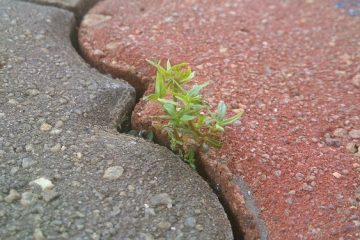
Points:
x=61, y=116
x=292, y=65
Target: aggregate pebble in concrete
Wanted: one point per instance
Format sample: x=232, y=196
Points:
x=58, y=139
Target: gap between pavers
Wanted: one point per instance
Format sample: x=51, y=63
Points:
x=66, y=173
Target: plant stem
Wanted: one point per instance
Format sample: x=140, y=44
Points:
x=176, y=134
x=193, y=128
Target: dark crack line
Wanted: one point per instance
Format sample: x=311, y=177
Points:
x=251, y=206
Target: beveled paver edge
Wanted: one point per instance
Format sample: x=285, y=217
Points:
x=236, y=197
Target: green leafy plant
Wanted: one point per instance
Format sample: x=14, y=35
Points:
x=188, y=120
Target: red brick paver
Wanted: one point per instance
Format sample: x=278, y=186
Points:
x=294, y=67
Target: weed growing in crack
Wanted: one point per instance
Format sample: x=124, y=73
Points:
x=188, y=120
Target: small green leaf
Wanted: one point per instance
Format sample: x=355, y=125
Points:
x=152, y=63
x=197, y=107
x=151, y=97
x=168, y=65
x=221, y=110
x=197, y=88
x=160, y=85
x=170, y=108
x=166, y=101
x=182, y=98
x=158, y=67
x=219, y=128
x=214, y=143
x=231, y=119
x=188, y=78
x=180, y=65
x=186, y=118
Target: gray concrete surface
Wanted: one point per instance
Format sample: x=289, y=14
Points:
x=65, y=172
x=79, y=7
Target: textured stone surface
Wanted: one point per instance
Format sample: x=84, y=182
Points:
x=292, y=65
x=61, y=116
x=79, y=7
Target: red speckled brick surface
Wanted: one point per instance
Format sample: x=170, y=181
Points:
x=294, y=66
